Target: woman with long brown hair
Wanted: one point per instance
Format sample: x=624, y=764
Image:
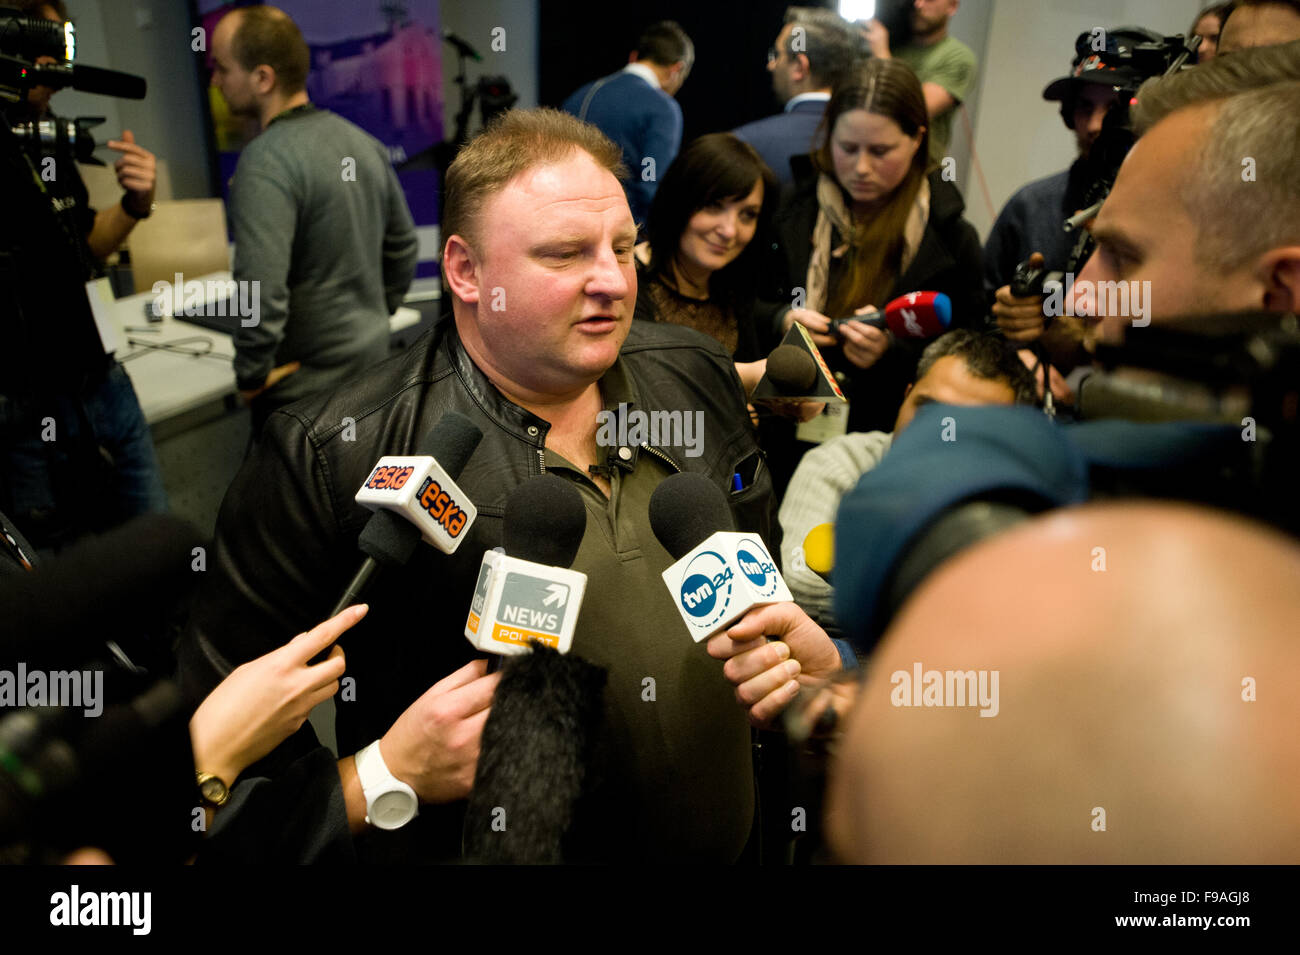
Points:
x=865, y=223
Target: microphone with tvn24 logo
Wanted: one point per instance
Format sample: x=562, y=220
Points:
x=719, y=575
x=415, y=496
x=527, y=594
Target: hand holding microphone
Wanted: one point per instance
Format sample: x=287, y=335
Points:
x=772, y=652
x=433, y=746
x=864, y=344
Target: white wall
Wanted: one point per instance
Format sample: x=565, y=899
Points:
x=474, y=21
x=1019, y=136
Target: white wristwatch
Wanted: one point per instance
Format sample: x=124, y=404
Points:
x=390, y=803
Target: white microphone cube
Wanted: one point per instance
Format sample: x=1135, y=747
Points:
x=721, y=580
x=517, y=602
x=418, y=487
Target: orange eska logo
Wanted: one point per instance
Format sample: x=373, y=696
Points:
x=389, y=477
x=441, y=507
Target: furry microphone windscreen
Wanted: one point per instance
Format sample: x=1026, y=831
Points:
x=533, y=763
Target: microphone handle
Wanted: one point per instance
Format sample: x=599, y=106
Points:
x=358, y=585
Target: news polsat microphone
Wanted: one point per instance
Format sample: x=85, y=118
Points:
x=720, y=575
x=415, y=498
x=527, y=594
x=541, y=735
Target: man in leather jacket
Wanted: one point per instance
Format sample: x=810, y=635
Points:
x=538, y=261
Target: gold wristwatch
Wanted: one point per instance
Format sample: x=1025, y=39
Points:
x=213, y=791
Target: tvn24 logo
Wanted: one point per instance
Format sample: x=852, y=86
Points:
x=760, y=571
x=706, y=587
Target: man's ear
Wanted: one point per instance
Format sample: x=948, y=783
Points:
x=460, y=266
x=803, y=67
x=908, y=390
x=1280, y=272
x=263, y=79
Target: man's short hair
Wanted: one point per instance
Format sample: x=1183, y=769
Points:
x=1244, y=180
x=665, y=43
x=266, y=35
x=830, y=42
x=511, y=144
x=986, y=356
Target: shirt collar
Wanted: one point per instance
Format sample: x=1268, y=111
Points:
x=794, y=101
x=643, y=71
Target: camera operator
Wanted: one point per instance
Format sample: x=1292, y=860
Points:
x=1031, y=223
x=75, y=451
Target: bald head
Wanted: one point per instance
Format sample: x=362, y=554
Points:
x=1146, y=662
x=1255, y=23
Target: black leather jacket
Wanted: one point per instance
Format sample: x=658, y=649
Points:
x=286, y=542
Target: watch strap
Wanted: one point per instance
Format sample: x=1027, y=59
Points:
x=378, y=781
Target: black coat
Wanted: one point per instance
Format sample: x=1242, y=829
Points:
x=948, y=260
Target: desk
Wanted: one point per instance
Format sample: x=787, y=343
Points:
x=169, y=383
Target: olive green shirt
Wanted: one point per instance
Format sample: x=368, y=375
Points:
x=677, y=769
x=951, y=64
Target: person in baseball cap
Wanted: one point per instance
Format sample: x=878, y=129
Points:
x=1101, y=72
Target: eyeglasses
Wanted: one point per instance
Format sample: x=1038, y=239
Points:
x=772, y=55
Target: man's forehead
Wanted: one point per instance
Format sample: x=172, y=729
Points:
x=573, y=186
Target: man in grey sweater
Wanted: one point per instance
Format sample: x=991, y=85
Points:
x=319, y=222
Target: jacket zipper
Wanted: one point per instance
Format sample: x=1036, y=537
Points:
x=541, y=459
x=663, y=456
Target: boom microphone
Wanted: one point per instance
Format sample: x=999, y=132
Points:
x=415, y=497
x=914, y=315
x=527, y=594
x=719, y=576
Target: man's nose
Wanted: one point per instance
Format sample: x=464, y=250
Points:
x=1095, y=119
x=608, y=278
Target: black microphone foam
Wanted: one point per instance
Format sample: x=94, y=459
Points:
x=685, y=509
x=791, y=369
x=544, y=522
x=451, y=442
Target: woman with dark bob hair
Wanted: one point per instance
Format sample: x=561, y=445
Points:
x=865, y=223
x=699, y=264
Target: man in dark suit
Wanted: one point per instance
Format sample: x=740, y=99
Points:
x=635, y=108
x=813, y=50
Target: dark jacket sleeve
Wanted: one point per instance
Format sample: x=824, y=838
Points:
x=274, y=558
x=276, y=548
x=785, y=268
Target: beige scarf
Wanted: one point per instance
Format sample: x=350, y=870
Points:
x=833, y=216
